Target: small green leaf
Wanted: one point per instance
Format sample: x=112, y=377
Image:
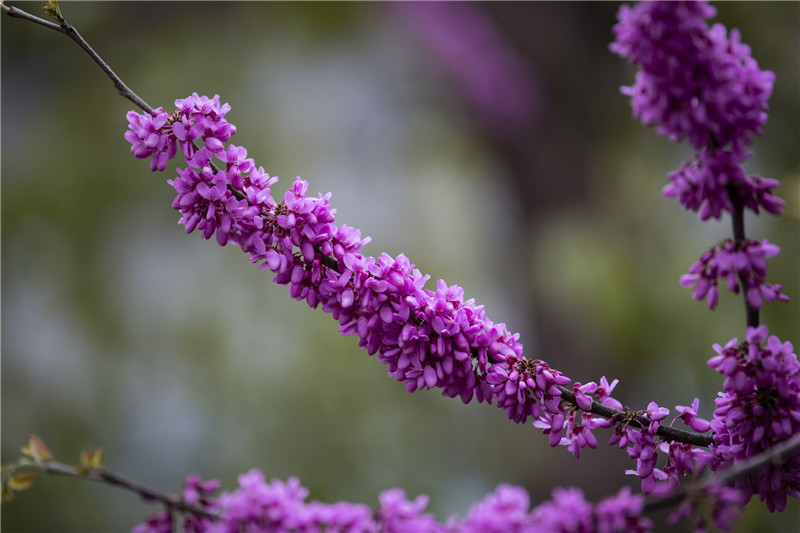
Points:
x=54, y=11
x=92, y=458
x=21, y=481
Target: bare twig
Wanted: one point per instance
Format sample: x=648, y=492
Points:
x=103, y=475
x=69, y=30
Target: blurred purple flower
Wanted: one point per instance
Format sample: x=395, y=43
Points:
x=493, y=77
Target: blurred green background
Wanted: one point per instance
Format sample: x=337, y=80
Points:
x=177, y=356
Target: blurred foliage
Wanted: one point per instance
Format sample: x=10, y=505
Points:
x=177, y=356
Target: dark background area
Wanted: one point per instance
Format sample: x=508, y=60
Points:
x=177, y=356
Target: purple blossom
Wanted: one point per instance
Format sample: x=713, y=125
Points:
x=569, y=512
x=397, y=514
x=734, y=263
x=604, y=391
x=701, y=84
x=690, y=418
x=642, y=447
x=725, y=502
x=503, y=511
x=695, y=82
x=760, y=406
x=258, y=506
x=150, y=137
x=199, y=493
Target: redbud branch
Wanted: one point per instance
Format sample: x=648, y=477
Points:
x=666, y=432
x=70, y=31
x=173, y=501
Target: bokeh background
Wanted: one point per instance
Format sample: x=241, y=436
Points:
x=486, y=141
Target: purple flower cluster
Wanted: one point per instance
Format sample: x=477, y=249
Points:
x=258, y=506
x=642, y=446
x=760, y=406
x=148, y=138
x=724, y=502
x=701, y=84
x=746, y=263
x=493, y=77
x=427, y=338
x=570, y=512
x=705, y=184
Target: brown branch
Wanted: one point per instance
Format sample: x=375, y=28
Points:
x=103, y=475
x=666, y=432
x=69, y=30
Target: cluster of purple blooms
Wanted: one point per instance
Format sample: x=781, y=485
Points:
x=759, y=407
x=437, y=339
x=701, y=84
x=745, y=263
x=426, y=338
x=258, y=506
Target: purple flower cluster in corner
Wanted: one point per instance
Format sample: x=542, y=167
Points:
x=258, y=506
x=701, y=84
x=746, y=263
x=760, y=406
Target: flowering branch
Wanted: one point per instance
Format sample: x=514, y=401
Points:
x=434, y=338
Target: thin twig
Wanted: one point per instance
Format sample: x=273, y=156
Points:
x=18, y=13
x=666, y=432
x=110, y=477
x=69, y=30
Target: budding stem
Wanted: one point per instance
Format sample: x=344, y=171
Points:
x=737, y=221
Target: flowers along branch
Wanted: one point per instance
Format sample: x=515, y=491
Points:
x=283, y=506
x=435, y=338
x=701, y=84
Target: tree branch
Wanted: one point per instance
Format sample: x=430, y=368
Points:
x=665, y=432
x=69, y=30
x=171, y=500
